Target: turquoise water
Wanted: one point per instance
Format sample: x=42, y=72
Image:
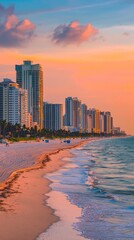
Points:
x=101, y=183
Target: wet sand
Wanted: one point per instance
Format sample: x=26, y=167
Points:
x=24, y=213
x=68, y=214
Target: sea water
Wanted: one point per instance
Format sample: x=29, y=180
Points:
x=99, y=180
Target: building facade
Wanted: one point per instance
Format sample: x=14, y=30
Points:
x=73, y=114
x=89, y=123
x=69, y=111
x=30, y=77
x=84, y=125
x=95, y=115
x=102, y=120
x=77, y=116
x=108, y=123
x=9, y=103
x=4, y=99
x=53, y=116
x=23, y=108
x=13, y=104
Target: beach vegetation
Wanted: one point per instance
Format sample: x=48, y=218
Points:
x=15, y=133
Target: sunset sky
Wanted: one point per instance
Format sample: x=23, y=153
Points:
x=86, y=49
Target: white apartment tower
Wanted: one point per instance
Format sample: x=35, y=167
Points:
x=13, y=103
x=9, y=103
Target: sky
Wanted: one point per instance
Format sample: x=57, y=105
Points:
x=86, y=49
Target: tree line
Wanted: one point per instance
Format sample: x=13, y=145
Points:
x=16, y=132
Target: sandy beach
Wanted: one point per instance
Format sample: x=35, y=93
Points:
x=24, y=213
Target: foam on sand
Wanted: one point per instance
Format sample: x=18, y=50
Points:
x=68, y=214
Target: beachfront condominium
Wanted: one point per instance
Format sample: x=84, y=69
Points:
x=69, y=111
x=108, y=123
x=9, y=101
x=79, y=118
x=89, y=123
x=53, y=116
x=84, y=125
x=73, y=115
x=102, y=120
x=30, y=77
x=95, y=115
x=4, y=99
x=77, y=114
x=13, y=103
x=24, y=117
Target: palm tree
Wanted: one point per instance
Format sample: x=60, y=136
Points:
x=3, y=125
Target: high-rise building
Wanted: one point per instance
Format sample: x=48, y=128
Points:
x=97, y=121
x=84, y=125
x=102, y=117
x=30, y=77
x=89, y=123
x=9, y=103
x=23, y=108
x=73, y=114
x=77, y=114
x=4, y=99
x=95, y=114
x=108, y=122
x=53, y=119
x=13, y=104
x=112, y=124
x=91, y=113
x=69, y=111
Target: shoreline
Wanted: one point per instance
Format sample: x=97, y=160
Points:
x=23, y=200
x=40, y=162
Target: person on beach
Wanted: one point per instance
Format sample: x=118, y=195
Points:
x=7, y=144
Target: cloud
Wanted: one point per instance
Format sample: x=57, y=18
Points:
x=74, y=33
x=14, y=32
x=6, y=11
x=126, y=34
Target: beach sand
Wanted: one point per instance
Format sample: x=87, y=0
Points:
x=68, y=213
x=24, y=213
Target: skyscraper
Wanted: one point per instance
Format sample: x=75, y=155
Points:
x=73, y=113
x=4, y=99
x=102, y=118
x=23, y=108
x=9, y=101
x=84, y=118
x=89, y=123
x=69, y=111
x=77, y=114
x=108, y=123
x=53, y=119
x=95, y=114
x=13, y=104
x=30, y=77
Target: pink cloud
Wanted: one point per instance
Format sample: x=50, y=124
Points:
x=126, y=34
x=14, y=32
x=11, y=22
x=74, y=33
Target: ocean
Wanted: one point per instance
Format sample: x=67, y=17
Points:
x=96, y=190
